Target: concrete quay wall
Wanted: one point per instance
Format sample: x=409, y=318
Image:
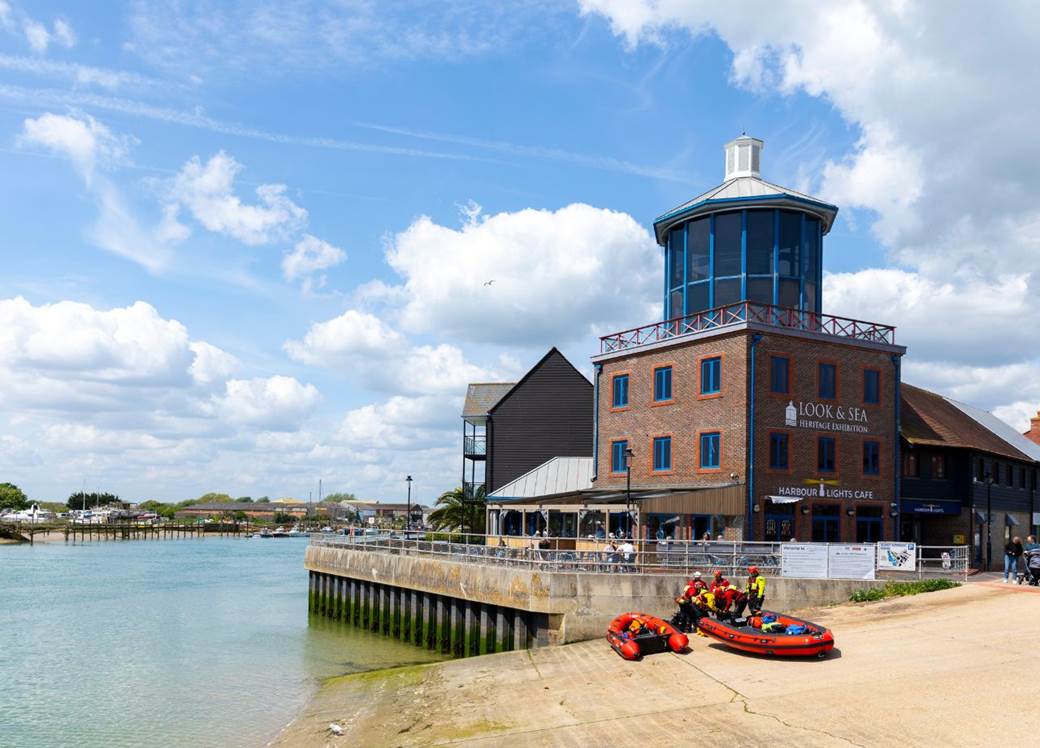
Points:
x=550, y=607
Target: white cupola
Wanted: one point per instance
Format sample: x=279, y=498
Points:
x=743, y=157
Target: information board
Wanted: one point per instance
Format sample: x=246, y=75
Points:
x=850, y=561
x=803, y=561
x=897, y=556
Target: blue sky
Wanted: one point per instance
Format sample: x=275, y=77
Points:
x=292, y=193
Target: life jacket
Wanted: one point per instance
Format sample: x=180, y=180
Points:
x=756, y=586
x=796, y=628
x=706, y=600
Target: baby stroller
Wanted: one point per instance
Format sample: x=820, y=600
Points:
x=1032, y=559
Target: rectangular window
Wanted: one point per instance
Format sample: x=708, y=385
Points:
x=1009, y=475
x=911, y=468
x=939, y=469
x=828, y=381
x=825, y=454
x=1021, y=477
x=620, y=391
x=778, y=451
x=699, y=233
x=727, y=245
x=871, y=386
x=617, y=456
x=780, y=375
x=711, y=375
x=980, y=475
x=868, y=524
x=789, y=261
x=710, y=444
x=663, y=453
x=760, y=244
x=677, y=258
x=871, y=458
x=663, y=384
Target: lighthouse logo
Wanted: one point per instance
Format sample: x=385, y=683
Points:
x=791, y=414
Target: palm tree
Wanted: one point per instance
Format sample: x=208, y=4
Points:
x=454, y=511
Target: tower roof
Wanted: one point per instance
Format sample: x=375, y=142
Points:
x=744, y=188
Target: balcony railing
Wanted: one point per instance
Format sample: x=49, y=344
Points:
x=474, y=446
x=749, y=312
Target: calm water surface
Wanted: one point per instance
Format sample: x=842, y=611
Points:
x=175, y=642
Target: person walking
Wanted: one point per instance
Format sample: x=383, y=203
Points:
x=1012, y=552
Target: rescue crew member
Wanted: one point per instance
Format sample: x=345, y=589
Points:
x=687, y=614
x=718, y=582
x=755, y=589
x=698, y=583
x=730, y=597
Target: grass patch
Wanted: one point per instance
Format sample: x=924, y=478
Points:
x=902, y=589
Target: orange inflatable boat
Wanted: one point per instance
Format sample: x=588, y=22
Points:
x=649, y=635
x=792, y=637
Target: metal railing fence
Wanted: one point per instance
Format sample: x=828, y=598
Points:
x=645, y=557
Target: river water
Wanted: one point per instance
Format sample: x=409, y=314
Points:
x=197, y=642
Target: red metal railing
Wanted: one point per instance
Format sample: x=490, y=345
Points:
x=748, y=312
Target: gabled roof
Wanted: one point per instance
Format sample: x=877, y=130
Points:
x=558, y=475
x=740, y=191
x=483, y=396
x=928, y=418
x=552, y=351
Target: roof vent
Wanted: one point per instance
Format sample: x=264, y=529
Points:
x=743, y=157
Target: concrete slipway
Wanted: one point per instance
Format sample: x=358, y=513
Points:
x=953, y=668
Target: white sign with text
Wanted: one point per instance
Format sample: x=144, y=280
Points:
x=826, y=417
x=803, y=561
x=850, y=561
x=897, y=556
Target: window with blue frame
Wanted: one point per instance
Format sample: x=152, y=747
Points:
x=828, y=381
x=617, y=456
x=778, y=452
x=709, y=447
x=662, y=384
x=871, y=386
x=620, y=399
x=871, y=458
x=780, y=375
x=711, y=375
x=662, y=453
x=825, y=454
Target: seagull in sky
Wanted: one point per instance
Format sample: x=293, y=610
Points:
x=488, y=283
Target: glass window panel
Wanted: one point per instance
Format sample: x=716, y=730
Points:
x=810, y=297
x=871, y=386
x=676, y=304
x=790, y=238
x=789, y=293
x=663, y=383
x=779, y=374
x=727, y=244
x=760, y=242
x=709, y=450
x=812, y=247
x=828, y=379
x=697, y=297
x=760, y=290
x=711, y=375
x=617, y=456
x=727, y=291
x=871, y=458
x=677, y=256
x=593, y=524
x=825, y=454
x=778, y=451
x=744, y=156
x=697, y=248
x=663, y=453
x=620, y=398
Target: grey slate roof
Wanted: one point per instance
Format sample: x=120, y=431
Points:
x=483, y=396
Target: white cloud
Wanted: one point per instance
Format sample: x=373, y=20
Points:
x=118, y=231
x=309, y=256
x=207, y=192
x=278, y=403
x=40, y=38
x=413, y=423
x=85, y=141
x=533, y=277
x=343, y=339
x=211, y=364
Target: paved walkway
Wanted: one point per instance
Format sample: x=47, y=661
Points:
x=949, y=668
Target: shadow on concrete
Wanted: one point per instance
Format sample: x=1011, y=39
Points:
x=834, y=654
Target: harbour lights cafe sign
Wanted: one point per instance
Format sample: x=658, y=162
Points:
x=826, y=417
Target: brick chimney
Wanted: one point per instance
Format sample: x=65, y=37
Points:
x=1033, y=434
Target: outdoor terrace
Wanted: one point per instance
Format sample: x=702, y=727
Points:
x=752, y=314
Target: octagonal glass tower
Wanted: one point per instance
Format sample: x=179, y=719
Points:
x=745, y=240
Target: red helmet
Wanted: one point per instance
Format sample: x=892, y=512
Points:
x=717, y=573
x=752, y=570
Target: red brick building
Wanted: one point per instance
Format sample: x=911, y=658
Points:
x=748, y=391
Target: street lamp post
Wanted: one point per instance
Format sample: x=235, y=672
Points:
x=628, y=485
x=408, y=517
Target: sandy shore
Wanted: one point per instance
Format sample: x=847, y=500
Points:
x=54, y=536
x=935, y=669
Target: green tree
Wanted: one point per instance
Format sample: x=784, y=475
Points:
x=263, y=500
x=282, y=518
x=454, y=510
x=335, y=498
x=81, y=500
x=245, y=499
x=12, y=497
x=215, y=498
x=163, y=510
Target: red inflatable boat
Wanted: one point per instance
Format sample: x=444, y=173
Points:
x=814, y=641
x=651, y=637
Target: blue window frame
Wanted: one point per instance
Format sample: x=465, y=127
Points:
x=662, y=453
x=778, y=452
x=663, y=384
x=825, y=454
x=871, y=458
x=710, y=450
x=871, y=386
x=828, y=379
x=620, y=399
x=617, y=456
x=780, y=374
x=711, y=375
